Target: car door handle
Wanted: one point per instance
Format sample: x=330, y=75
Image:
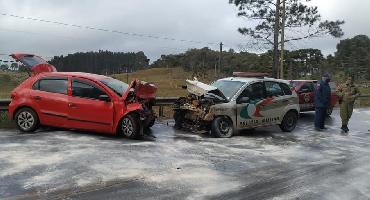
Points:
x=37, y=98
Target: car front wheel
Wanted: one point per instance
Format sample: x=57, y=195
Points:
x=222, y=127
x=289, y=122
x=26, y=120
x=129, y=126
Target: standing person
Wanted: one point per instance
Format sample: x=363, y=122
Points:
x=322, y=102
x=347, y=94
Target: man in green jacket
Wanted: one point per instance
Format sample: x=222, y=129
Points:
x=347, y=94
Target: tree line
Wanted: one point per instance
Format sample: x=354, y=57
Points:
x=351, y=57
x=101, y=62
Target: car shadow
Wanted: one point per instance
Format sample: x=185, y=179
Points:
x=309, y=117
x=148, y=134
x=272, y=132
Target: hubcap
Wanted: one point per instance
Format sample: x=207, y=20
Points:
x=127, y=127
x=25, y=120
x=224, y=127
x=290, y=121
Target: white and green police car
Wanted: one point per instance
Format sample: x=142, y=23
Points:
x=237, y=103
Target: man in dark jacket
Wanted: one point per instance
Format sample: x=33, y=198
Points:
x=322, y=102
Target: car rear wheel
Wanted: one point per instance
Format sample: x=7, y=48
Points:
x=129, y=126
x=222, y=127
x=27, y=120
x=289, y=121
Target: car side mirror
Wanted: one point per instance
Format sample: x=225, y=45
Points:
x=104, y=98
x=244, y=100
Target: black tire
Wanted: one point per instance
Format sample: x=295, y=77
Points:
x=129, y=126
x=329, y=111
x=222, y=127
x=151, y=123
x=178, y=116
x=26, y=120
x=289, y=121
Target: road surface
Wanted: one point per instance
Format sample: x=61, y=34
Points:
x=265, y=164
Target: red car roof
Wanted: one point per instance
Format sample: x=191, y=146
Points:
x=77, y=74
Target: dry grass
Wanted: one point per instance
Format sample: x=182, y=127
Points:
x=168, y=80
x=8, y=81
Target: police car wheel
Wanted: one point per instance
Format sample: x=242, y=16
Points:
x=222, y=127
x=289, y=121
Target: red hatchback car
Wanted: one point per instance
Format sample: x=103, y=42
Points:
x=80, y=101
x=306, y=92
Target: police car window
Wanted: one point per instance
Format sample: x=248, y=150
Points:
x=286, y=89
x=255, y=91
x=84, y=89
x=273, y=89
x=52, y=85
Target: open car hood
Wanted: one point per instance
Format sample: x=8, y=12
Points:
x=201, y=89
x=198, y=88
x=35, y=63
x=143, y=90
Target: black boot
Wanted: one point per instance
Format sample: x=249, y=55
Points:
x=343, y=128
x=346, y=128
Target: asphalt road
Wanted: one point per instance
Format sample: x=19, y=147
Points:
x=265, y=164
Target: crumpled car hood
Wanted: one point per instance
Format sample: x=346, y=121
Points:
x=198, y=88
x=143, y=90
x=201, y=89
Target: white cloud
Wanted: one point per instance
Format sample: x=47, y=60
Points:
x=205, y=20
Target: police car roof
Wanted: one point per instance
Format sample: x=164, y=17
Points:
x=247, y=80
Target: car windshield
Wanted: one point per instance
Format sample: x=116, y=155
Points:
x=117, y=86
x=32, y=60
x=228, y=88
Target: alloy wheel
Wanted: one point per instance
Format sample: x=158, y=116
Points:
x=25, y=120
x=127, y=127
x=224, y=127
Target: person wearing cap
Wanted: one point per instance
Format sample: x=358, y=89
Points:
x=347, y=94
x=322, y=101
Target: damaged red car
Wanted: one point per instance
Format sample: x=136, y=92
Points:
x=80, y=101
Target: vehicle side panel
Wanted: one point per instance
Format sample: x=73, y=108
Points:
x=225, y=109
x=91, y=114
x=52, y=108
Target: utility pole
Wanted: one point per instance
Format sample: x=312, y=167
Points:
x=220, y=59
x=282, y=41
x=275, y=61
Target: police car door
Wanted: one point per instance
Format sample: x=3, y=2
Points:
x=306, y=96
x=248, y=111
x=274, y=104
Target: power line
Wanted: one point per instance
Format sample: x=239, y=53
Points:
x=107, y=30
